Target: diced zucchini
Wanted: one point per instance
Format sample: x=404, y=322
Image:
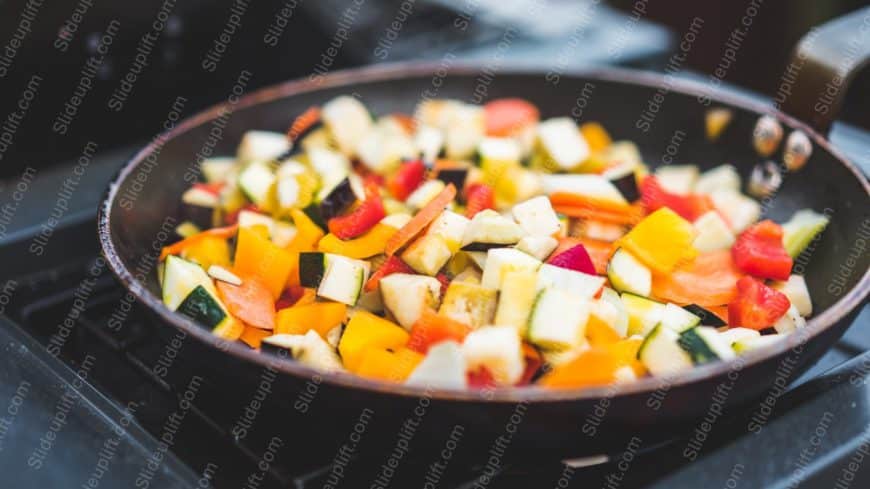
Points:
x=309, y=349
x=749, y=344
x=678, y=319
x=801, y=230
x=429, y=141
x=734, y=335
x=723, y=177
x=489, y=229
x=262, y=146
x=562, y=143
x=343, y=280
x=643, y=314
x=468, y=303
x=704, y=344
x=587, y=185
x=713, y=233
x=331, y=166
x=478, y=258
x=218, y=272
x=200, y=197
x=677, y=179
x=610, y=310
x=348, y=121
x=443, y=367
x=628, y=274
x=406, y=296
x=424, y=193
x=661, y=353
x=383, y=147
x=180, y=278
x=740, y=210
x=537, y=217
x=257, y=181
x=795, y=288
x=499, y=261
x=498, y=349
x=584, y=285
x=451, y=227
x=558, y=319
x=427, y=254
x=217, y=169
x=790, y=321
x=708, y=318
x=464, y=131
x=516, y=299
x=283, y=233
x=538, y=247
x=499, y=151
x=203, y=308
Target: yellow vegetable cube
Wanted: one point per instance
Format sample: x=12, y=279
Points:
x=661, y=240
x=365, y=331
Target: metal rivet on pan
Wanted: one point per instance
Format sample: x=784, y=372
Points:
x=765, y=179
x=798, y=149
x=716, y=120
x=767, y=135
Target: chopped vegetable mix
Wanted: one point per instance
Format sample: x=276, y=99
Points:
x=479, y=247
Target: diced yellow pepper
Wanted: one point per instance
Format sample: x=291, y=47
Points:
x=366, y=246
x=661, y=240
x=365, y=331
x=320, y=316
x=257, y=256
x=388, y=365
x=208, y=251
x=307, y=232
x=596, y=136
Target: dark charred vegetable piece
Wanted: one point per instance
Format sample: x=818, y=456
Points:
x=338, y=201
x=627, y=186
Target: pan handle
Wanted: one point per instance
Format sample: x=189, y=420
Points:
x=822, y=66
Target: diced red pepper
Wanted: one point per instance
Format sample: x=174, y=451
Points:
x=213, y=188
x=289, y=297
x=481, y=379
x=534, y=362
x=575, y=258
x=478, y=196
x=757, y=306
x=361, y=219
x=690, y=207
x=409, y=176
x=432, y=328
x=759, y=251
x=394, y=264
x=445, y=282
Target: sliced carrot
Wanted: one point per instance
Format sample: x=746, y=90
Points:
x=176, y=248
x=253, y=337
x=708, y=280
x=304, y=122
x=576, y=200
x=506, y=115
x=251, y=302
x=624, y=218
x=420, y=220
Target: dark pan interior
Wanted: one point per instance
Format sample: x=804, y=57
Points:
x=676, y=135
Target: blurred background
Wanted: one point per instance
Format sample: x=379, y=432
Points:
x=196, y=49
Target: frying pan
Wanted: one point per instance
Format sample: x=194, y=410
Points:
x=537, y=421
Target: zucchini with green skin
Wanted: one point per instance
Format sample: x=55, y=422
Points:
x=584, y=285
x=801, y=230
x=488, y=229
x=343, y=279
x=708, y=318
x=662, y=354
x=643, y=314
x=704, y=344
x=628, y=274
x=309, y=349
x=189, y=290
x=558, y=319
x=748, y=344
x=257, y=182
x=678, y=318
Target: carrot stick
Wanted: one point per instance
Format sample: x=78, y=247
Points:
x=422, y=219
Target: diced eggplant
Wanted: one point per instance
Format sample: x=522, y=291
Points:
x=312, y=267
x=500, y=261
x=790, y=321
x=451, y=227
x=587, y=185
x=406, y=296
x=539, y=247
x=795, y=288
x=339, y=199
x=516, y=299
x=713, y=233
x=707, y=318
x=498, y=349
x=643, y=314
x=488, y=229
x=468, y=303
x=428, y=254
x=537, y=217
x=456, y=176
x=443, y=367
x=562, y=143
x=424, y=193
x=627, y=186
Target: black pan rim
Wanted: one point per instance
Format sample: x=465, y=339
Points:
x=853, y=299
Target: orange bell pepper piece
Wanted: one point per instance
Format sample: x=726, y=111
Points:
x=387, y=365
x=366, y=246
x=256, y=256
x=319, y=316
